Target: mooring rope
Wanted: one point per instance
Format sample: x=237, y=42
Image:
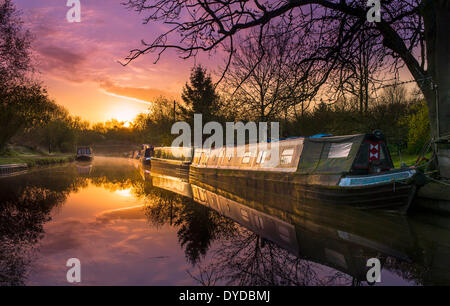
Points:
x=437, y=181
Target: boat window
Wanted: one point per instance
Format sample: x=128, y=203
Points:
x=259, y=222
x=202, y=196
x=244, y=215
x=229, y=154
x=286, y=156
x=84, y=151
x=204, y=158
x=261, y=157
x=339, y=150
x=246, y=158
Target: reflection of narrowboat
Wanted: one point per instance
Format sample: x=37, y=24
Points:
x=354, y=170
x=84, y=154
x=173, y=161
x=84, y=168
x=178, y=185
x=339, y=238
x=308, y=239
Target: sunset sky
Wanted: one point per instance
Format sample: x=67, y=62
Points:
x=78, y=62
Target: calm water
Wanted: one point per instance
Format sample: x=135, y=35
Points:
x=130, y=227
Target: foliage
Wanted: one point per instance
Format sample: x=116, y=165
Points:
x=23, y=102
x=418, y=127
x=266, y=76
x=23, y=107
x=37, y=161
x=154, y=127
x=15, y=41
x=199, y=96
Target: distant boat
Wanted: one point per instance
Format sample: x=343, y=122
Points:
x=84, y=154
x=146, y=155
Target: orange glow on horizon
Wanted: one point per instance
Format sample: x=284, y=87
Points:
x=124, y=192
x=124, y=112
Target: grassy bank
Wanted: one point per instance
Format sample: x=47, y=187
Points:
x=32, y=158
x=36, y=161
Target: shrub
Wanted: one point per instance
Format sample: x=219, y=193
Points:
x=418, y=127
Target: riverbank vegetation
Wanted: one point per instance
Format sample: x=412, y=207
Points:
x=32, y=158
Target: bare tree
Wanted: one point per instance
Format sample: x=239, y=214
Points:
x=414, y=33
x=268, y=76
x=247, y=259
x=359, y=72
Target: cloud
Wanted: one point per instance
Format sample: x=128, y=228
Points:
x=131, y=213
x=142, y=94
x=61, y=61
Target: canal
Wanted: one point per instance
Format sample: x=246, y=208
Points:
x=128, y=226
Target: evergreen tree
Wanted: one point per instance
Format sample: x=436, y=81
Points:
x=200, y=96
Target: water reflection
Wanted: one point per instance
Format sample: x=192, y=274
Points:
x=276, y=240
x=27, y=202
x=130, y=226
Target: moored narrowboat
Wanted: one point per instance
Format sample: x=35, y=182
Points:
x=354, y=170
x=84, y=154
x=172, y=161
x=146, y=155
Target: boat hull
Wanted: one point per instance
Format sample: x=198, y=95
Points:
x=395, y=196
x=83, y=157
x=146, y=162
x=169, y=167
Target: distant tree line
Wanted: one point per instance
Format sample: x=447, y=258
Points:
x=401, y=115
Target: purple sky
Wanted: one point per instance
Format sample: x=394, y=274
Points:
x=79, y=61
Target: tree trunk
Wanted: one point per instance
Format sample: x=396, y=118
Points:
x=437, y=24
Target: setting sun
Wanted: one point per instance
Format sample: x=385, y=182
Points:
x=125, y=112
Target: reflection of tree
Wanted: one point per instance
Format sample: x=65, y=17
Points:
x=407, y=270
x=198, y=226
x=247, y=259
x=241, y=257
x=21, y=227
x=26, y=202
x=114, y=175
